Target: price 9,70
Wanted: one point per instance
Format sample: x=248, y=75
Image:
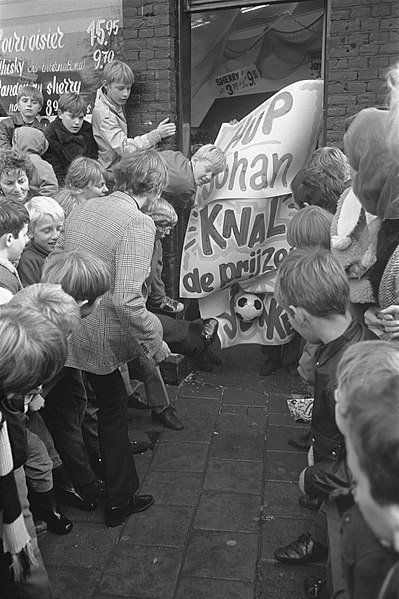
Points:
x=101, y=57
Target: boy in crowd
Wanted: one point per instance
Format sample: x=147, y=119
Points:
x=109, y=118
x=14, y=220
x=32, y=141
x=313, y=288
x=69, y=135
x=29, y=104
x=46, y=224
x=184, y=177
x=33, y=350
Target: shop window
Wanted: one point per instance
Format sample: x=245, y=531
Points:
x=242, y=55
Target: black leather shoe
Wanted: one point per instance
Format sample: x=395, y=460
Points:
x=209, y=330
x=135, y=401
x=138, y=446
x=44, y=507
x=302, y=442
x=315, y=587
x=269, y=366
x=311, y=503
x=137, y=503
x=302, y=551
x=168, y=418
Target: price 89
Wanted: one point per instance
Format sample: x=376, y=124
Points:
x=100, y=29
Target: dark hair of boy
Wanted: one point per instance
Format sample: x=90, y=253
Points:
x=13, y=217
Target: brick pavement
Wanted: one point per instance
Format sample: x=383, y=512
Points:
x=225, y=496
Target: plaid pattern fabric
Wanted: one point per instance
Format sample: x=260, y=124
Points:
x=114, y=229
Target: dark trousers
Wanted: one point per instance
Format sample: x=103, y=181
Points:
x=183, y=336
x=63, y=415
x=120, y=471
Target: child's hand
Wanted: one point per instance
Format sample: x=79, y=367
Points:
x=166, y=129
x=36, y=403
x=390, y=320
x=162, y=353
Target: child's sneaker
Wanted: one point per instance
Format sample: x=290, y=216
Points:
x=170, y=306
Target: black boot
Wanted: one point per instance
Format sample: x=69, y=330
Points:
x=66, y=493
x=44, y=507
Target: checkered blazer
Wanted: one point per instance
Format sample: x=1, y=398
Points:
x=114, y=229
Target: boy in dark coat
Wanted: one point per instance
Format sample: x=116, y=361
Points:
x=69, y=135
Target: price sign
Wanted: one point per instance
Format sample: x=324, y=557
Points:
x=237, y=82
x=58, y=47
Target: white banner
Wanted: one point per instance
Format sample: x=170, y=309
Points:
x=236, y=235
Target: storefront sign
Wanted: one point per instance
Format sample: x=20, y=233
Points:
x=236, y=235
x=60, y=48
x=236, y=82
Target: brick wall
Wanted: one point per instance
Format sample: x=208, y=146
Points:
x=149, y=49
x=364, y=41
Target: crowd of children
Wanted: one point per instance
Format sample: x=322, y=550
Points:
x=81, y=223
x=83, y=309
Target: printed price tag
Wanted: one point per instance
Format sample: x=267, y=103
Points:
x=235, y=82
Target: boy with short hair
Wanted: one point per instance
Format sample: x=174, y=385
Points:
x=33, y=350
x=313, y=288
x=46, y=224
x=367, y=413
x=184, y=177
x=109, y=118
x=29, y=103
x=69, y=135
x=14, y=219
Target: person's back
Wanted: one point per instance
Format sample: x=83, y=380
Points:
x=33, y=141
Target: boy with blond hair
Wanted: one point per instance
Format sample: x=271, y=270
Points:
x=46, y=224
x=29, y=104
x=313, y=288
x=69, y=135
x=109, y=118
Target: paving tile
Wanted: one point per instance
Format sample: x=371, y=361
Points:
x=278, y=532
x=163, y=525
x=279, y=581
x=184, y=457
x=285, y=420
x=234, y=475
x=208, y=588
x=228, y=511
x=143, y=462
x=237, y=447
x=252, y=422
x=221, y=555
x=277, y=403
x=196, y=428
x=193, y=405
x=199, y=391
x=284, y=465
x=72, y=582
x=243, y=397
x=277, y=438
x=88, y=545
x=281, y=500
x=142, y=572
x=173, y=488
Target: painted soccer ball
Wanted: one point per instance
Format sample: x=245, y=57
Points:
x=248, y=307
